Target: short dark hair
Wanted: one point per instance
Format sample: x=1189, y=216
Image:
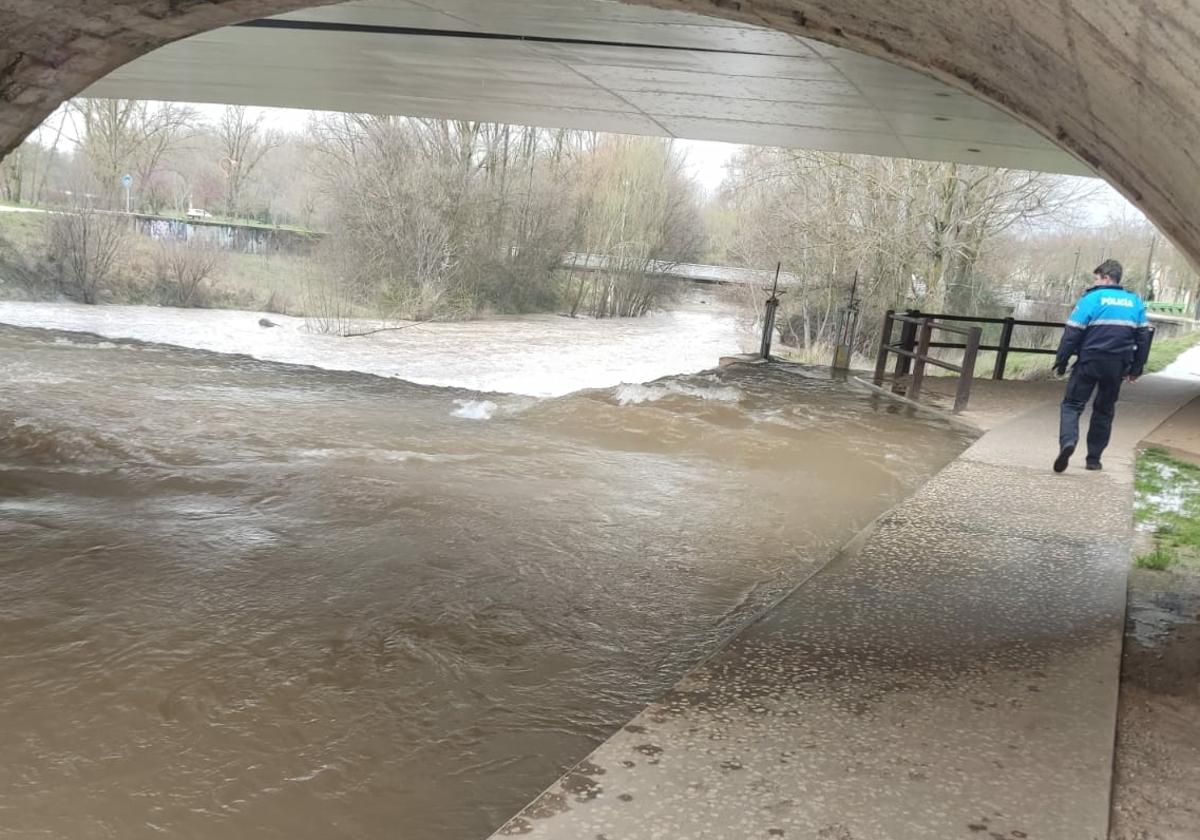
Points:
x=1109, y=268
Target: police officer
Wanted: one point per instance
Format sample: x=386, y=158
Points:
x=1109, y=333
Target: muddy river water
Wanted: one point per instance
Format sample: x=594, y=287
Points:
x=247, y=599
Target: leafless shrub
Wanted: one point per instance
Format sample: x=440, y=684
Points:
x=640, y=212
x=453, y=219
x=82, y=247
x=327, y=306
x=183, y=270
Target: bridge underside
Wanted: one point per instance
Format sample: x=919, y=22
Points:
x=1112, y=82
x=589, y=65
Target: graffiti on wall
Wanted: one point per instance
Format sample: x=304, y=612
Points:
x=241, y=238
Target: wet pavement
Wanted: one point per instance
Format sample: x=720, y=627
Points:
x=953, y=674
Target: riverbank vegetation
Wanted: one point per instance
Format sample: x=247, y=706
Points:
x=939, y=237
x=400, y=218
x=454, y=219
x=419, y=218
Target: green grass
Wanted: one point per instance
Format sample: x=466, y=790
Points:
x=242, y=281
x=1163, y=352
x=23, y=230
x=1027, y=365
x=1167, y=507
x=1166, y=350
x=277, y=283
x=1160, y=559
x=1017, y=366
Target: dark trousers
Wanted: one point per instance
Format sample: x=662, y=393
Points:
x=1102, y=375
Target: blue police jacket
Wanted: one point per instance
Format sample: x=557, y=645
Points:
x=1108, y=322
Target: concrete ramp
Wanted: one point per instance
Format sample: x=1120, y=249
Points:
x=952, y=675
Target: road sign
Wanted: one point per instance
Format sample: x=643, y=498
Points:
x=126, y=181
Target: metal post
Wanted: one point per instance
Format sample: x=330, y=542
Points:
x=764, y=349
x=1002, y=354
x=908, y=341
x=843, y=350
x=1150, y=295
x=918, y=376
x=885, y=343
x=968, y=369
x=768, y=327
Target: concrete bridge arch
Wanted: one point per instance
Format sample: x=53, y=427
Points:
x=1113, y=82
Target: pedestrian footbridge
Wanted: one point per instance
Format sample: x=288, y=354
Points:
x=709, y=275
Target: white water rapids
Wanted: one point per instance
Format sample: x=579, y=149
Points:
x=535, y=355
x=246, y=599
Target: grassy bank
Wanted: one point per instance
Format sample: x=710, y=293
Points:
x=1163, y=352
x=1017, y=365
x=1167, y=509
x=142, y=273
x=24, y=231
x=275, y=282
x=1166, y=350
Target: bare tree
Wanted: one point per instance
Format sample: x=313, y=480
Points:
x=16, y=171
x=327, y=303
x=184, y=268
x=916, y=233
x=244, y=144
x=1054, y=266
x=641, y=214
x=26, y=170
x=128, y=137
x=83, y=246
x=449, y=219
x=433, y=218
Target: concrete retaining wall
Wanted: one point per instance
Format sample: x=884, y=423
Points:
x=245, y=239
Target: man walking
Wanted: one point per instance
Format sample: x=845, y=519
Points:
x=1109, y=333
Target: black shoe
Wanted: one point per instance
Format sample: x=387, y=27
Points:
x=1064, y=457
x=1093, y=465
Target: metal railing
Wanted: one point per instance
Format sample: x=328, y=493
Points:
x=1167, y=308
x=1003, y=346
x=916, y=340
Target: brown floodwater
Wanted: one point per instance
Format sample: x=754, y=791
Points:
x=243, y=599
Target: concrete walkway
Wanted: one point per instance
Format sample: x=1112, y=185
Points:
x=952, y=675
